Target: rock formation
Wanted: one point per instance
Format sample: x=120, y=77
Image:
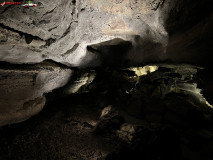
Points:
x=85, y=33
x=119, y=79
x=23, y=88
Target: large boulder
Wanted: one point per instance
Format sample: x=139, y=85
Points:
x=23, y=87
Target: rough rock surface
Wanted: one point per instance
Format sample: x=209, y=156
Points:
x=23, y=87
x=39, y=33
x=114, y=32
x=152, y=112
x=99, y=126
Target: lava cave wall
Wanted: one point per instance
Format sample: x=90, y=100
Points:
x=92, y=33
x=158, y=30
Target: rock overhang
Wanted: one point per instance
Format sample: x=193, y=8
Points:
x=54, y=36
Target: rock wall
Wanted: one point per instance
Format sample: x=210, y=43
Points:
x=70, y=31
x=91, y=33
x=22, y=89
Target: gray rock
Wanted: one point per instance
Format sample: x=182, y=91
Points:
x=22, y=89
x=90, y=32
x=110, y=120
x=126, y=132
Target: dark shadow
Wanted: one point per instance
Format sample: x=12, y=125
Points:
x=111, y=53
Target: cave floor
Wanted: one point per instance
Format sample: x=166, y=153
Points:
x=116, y=123
x=63, y=130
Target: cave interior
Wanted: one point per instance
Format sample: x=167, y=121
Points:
x=106, y=80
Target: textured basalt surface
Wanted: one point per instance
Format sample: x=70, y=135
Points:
x=159, y=115
x=119, y=79
x=156, y=30
x=22, y=89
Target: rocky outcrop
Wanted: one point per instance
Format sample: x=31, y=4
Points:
x=111, y=32
x=23, y=87
x=39, y=32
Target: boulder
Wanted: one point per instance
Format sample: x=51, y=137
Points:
x=23, y=88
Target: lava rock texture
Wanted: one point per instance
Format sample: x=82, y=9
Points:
x=85, y=33
x=139, y=86
x=147, y=117
x=23, y=87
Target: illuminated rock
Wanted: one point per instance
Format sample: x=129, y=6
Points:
x=23, y=87
x=69, y=32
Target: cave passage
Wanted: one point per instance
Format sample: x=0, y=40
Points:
x=106, y=80
x=150, y=112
